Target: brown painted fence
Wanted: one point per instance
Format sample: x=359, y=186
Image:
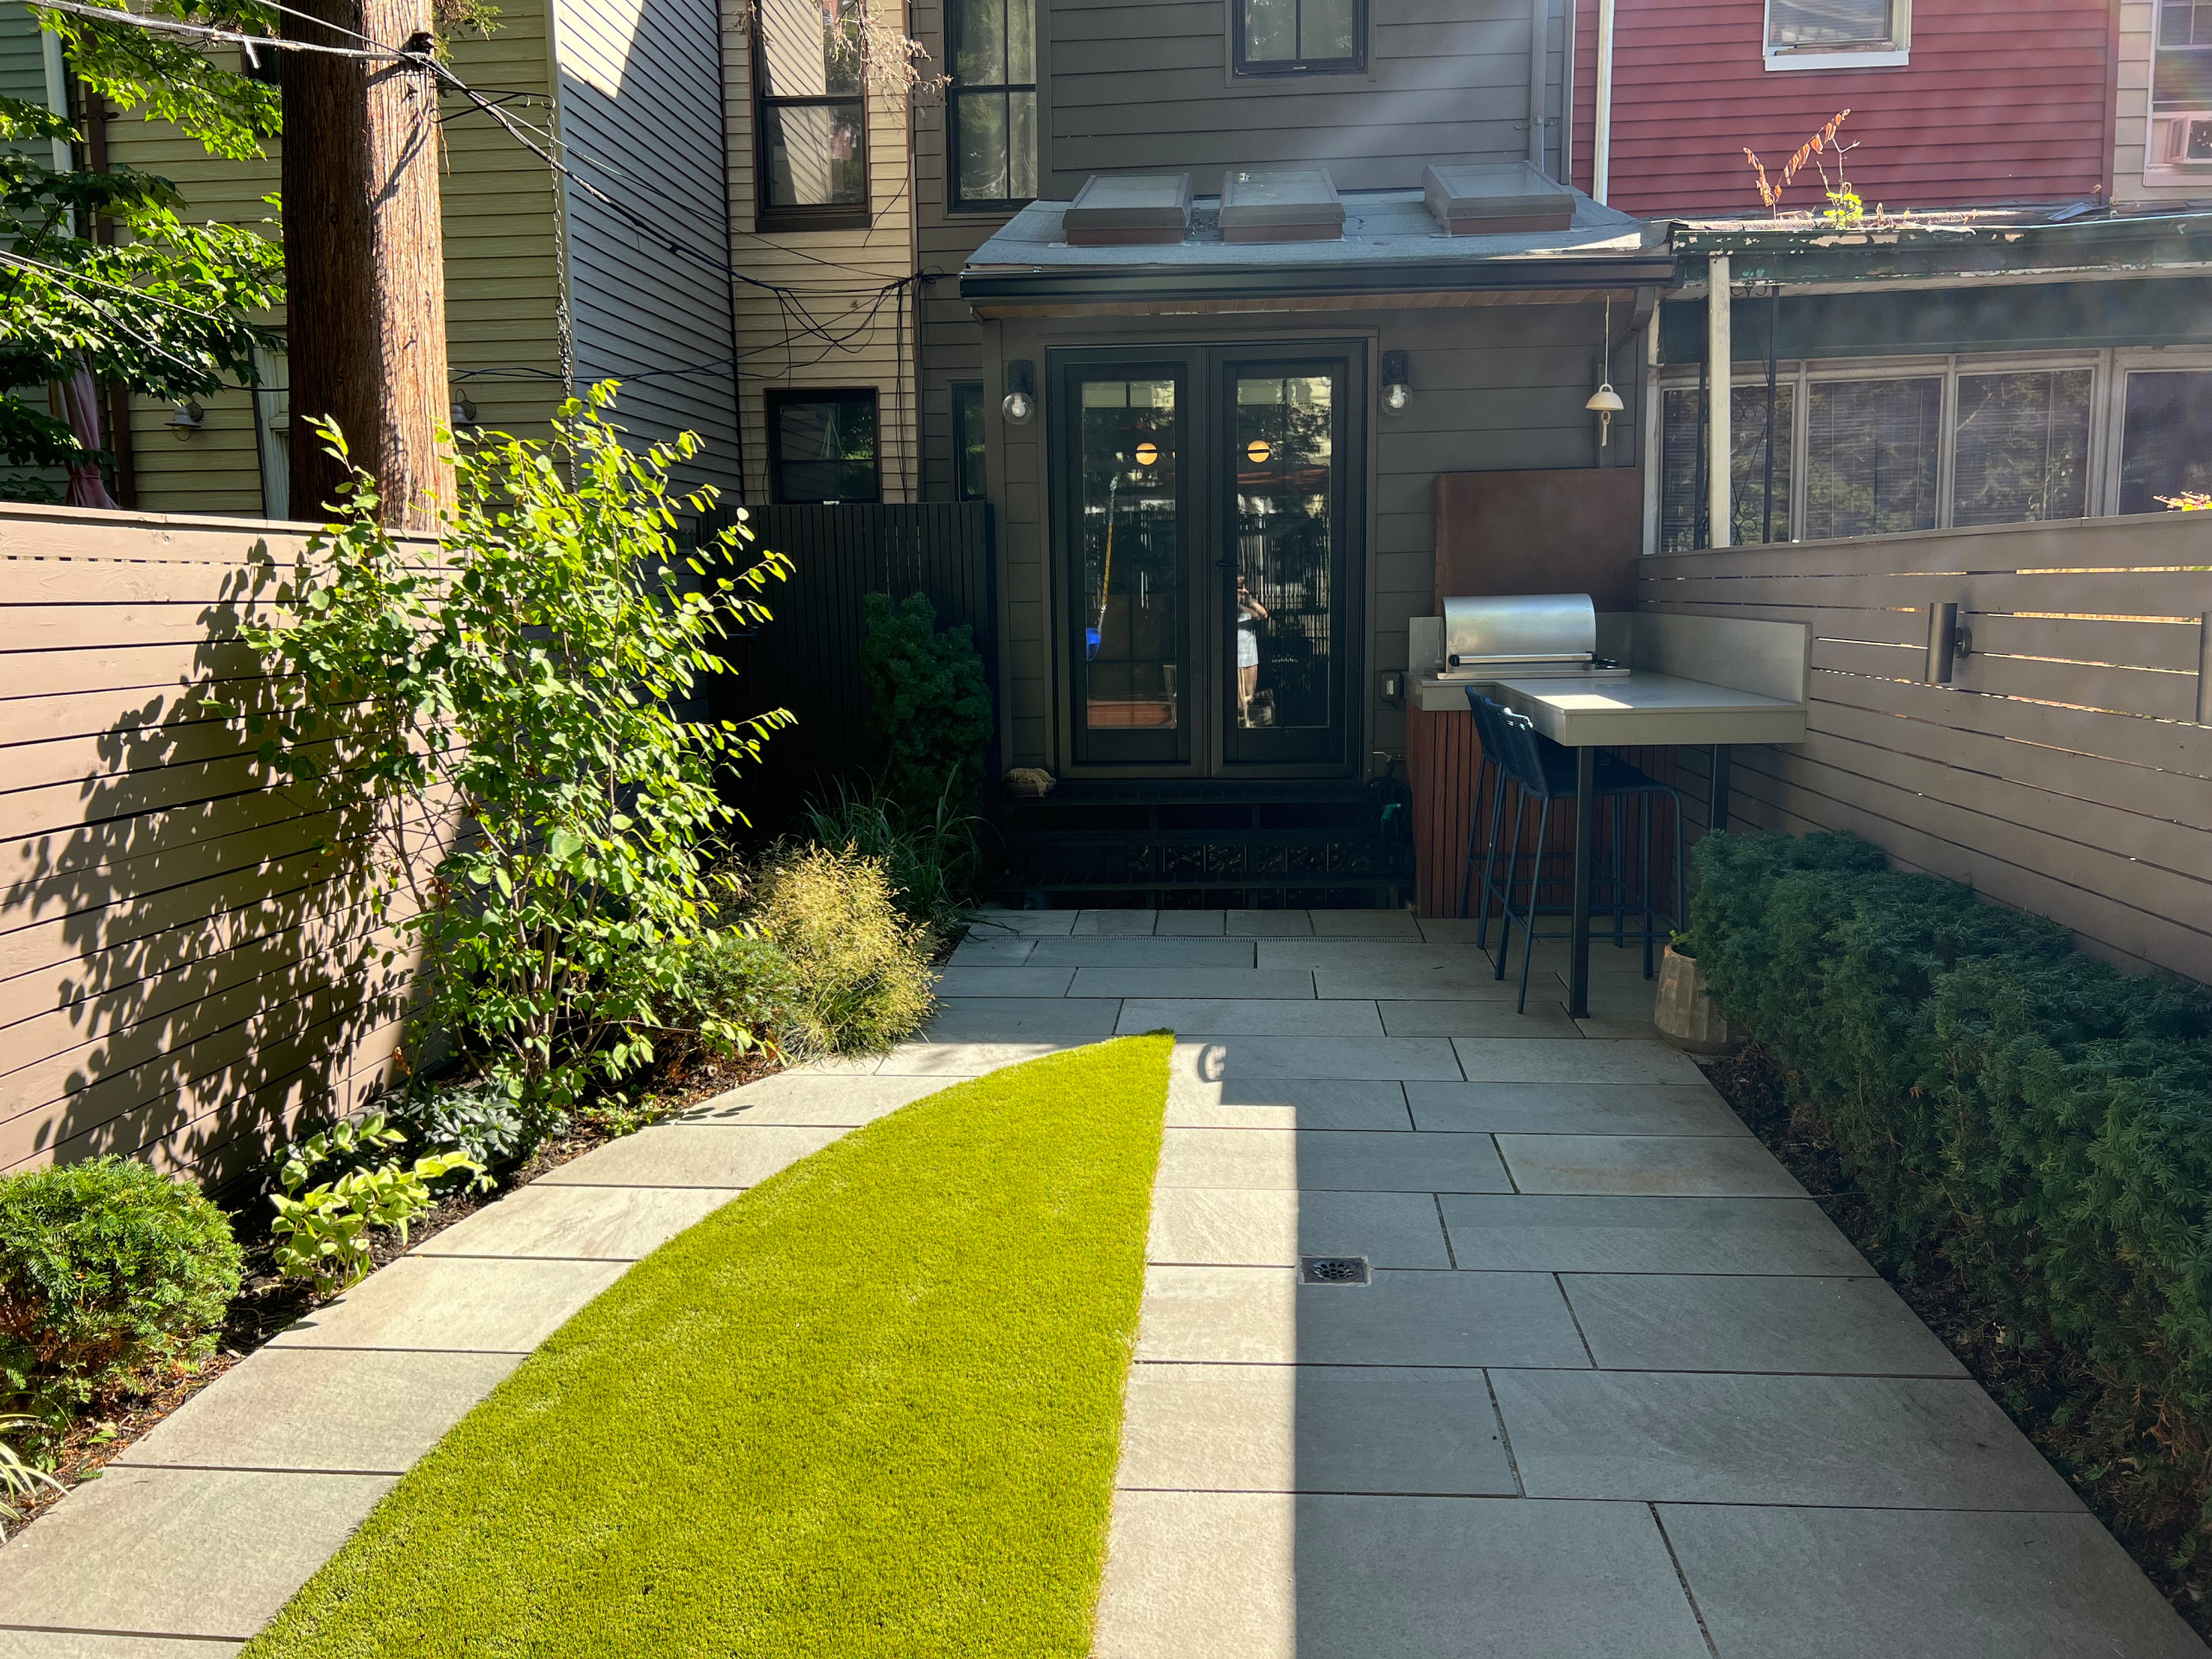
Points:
x=2064, y=769
x=184, y=964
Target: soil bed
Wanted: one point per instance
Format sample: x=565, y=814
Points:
x=2035, y=1386
x=267, y=1302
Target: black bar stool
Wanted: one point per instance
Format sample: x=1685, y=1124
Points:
x=1541, y=768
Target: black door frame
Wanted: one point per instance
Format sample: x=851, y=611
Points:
x=1206, y=531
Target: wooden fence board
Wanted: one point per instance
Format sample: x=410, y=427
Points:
x=2061, y=770
x=179, y=978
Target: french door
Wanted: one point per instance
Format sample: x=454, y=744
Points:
x=1208, y=568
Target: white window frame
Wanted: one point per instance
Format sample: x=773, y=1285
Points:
x=2106, y=401
x=1892, y=54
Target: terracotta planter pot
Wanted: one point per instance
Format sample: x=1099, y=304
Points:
x=1686, y=1015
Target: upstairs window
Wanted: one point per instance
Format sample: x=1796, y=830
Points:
x=2181, y=77
x=1300, y=37
x=968, y=440
x=993, y=47
x=822, y=445
x=1838, y=33
x=811, y=125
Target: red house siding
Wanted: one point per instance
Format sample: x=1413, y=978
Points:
x=2004, y=100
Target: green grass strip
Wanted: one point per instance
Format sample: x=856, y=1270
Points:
x=873, y=1407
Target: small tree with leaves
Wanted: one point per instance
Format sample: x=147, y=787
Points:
x=99, y=270
x=520, y=682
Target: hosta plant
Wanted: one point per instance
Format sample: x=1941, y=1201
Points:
x=326, y=1233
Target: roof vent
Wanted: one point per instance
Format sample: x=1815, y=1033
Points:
x=1122, y=209
x=1495, y=200
x=1292, y=205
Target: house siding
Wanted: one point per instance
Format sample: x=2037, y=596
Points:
x=2000, y=103
x=839, y=277
x=640, y=108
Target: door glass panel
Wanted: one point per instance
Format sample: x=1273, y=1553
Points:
x=1130, y=603
x=1283, y=456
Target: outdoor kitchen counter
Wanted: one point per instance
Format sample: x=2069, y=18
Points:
x=1640, y=709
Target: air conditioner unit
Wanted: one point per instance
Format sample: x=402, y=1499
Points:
x=2183, y=139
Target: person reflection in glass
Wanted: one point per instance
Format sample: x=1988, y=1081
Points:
x=1250, y=614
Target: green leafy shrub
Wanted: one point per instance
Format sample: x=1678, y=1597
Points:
x=929, y=709
x=862, y=968
x=734, y=992
x=112, y=1277
x=482, y=1119
x=531, y=671
x=2040, y=1119
x=934, y=864
x=325, y=1233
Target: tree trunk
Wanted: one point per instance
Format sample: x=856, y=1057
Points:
x=365, y=261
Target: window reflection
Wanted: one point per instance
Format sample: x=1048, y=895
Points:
x=1129, y=604
x=1284, y=458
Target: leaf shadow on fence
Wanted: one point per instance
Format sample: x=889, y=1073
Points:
x=191, y=962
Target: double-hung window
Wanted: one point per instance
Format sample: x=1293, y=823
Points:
x=1299, y=37
x=993, y=103
x=1838, y=33
x=811, y=113
x=822, y=445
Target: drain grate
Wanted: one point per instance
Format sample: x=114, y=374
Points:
x=1332, y=1270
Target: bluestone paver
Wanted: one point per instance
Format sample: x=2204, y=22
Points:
x=732, y=1155
x=1349, y=1058
x=1862, y=1441
x=1269, y=984
x=1566, y=1234
x=1679, y=1165
x=454, y=1303
x=1574, y=1060
x=1263, y=1228
x=1741, y=1322
x=1571, y=1108
x=614, y=1223
x=1440, y=1018
x=328, y=1410
x=1843, y=1584
x=1250, y=1017
x=966, y=979
x=1312, y=1428
x=1200, y=1575
x=987, y=1018
x=1329, y=1160
x=801, y=1098
x=1145, y=953
x=178, y=1552
x=1287, y=1103
x=1265, y=1316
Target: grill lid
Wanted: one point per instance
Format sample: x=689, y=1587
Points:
x=1501, y=631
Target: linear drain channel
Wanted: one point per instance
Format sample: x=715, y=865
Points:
x=1332, y=1270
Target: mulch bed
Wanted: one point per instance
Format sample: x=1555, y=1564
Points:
x=268, y=1302
x=2034, y=1386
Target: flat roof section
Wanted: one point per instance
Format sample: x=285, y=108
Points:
x=1389, y=243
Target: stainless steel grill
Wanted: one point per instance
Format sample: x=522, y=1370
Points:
x=1522, y=636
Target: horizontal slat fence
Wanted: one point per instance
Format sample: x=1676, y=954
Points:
x=808, y=658
x=2062, y=770
x=185, y=966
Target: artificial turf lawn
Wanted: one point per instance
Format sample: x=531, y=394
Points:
x=872, y=1406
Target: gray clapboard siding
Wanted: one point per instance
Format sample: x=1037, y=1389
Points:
x=641, y=118
x=181, y=977
x=2062, y=771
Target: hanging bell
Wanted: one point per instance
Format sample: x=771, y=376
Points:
x=1605, y=403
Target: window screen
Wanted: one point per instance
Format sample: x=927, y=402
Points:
x=968, y=440
x=1682, y=506
x=2165, y=440
x=812, y=114
x=822, y=445
x=1829, y=23
x=1301, y=36
x=993, y=102
x=2023, y=447
x=1871, y=456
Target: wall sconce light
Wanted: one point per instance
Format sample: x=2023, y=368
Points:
x=188, y=419
x=1020, y=391
x=464, y=413
x=1948, y=639
x=1397, y=383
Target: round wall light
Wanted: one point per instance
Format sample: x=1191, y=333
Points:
x=1258, y=451
x=1397, y=383
x=1020, y=400
x=1147, y=454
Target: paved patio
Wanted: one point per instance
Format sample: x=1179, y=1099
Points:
x=1617, y=1388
